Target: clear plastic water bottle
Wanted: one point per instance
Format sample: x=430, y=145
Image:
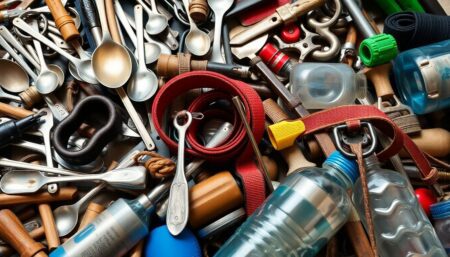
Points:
x=441, y=217
x=300, y=216
x=402, y=228
x=422, y=77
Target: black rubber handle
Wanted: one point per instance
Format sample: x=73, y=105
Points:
x=106, y=121
x=90, y=13
x=243, y=5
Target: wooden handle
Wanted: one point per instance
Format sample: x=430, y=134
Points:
x=92, y=211
x=112, y=24
x=63, y=20
x=13, y=232
x=357, y=235
x=293, y=155
x=48, y=222
x=14, y=112
x=213, y=197
x=352, y=35
x=379, y=75
x=63, y=194
x=435, y=142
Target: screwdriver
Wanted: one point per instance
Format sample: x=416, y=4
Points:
x=12, y=129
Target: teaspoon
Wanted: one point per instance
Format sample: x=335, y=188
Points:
x=143, y=84
x=156, y=23
x=197, y=41
x=13, y=78
x=219, y=7
x=47, y=80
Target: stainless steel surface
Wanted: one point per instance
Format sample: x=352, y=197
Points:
x=156, y=23
x=358, y=18
x=144, y=83
x=16, y=182
x=28, y=166
x=250, y=49
x=14, y=78
x=111, y=62
x=219, y=7
x=84, y=69
x=17, y=58
x=8, y=36
x=47, y=80
x=197, y=41
x=178, y=210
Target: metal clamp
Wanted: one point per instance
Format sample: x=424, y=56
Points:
x=364, y=136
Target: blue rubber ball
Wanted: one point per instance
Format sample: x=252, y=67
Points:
x=160, y=243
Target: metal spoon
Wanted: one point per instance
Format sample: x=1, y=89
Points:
x=219, y=7
x=47, y=80
x=66, y=216
x=152, y=50
x=17, y=182
x=143, y=84
x=13, y=78
x=111, y=61
x=56, y=69
x=156, y=23
x=84, y=68
x=197, y=41
x=17, y=58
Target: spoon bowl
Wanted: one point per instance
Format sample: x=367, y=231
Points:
x=139, y=89
x=56, y=69
x=198, y=42
x=152, y=52
x=47, y=82
x=13, y=78
x=111, y=64
x=30, y=181
x=156, y=23
x=67, y=218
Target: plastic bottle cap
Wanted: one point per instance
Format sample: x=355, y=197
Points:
x=440, y=210
x=290, y=33
x=378, y=49
x=348, y=166
x=283, y=134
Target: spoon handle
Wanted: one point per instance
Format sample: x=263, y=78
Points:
x=22, y=25
x=103, y=21
x=6, y=34
x=28, y=166
x=124, y=21
x=138, y=15
x=38, y=47
x=16, y=57
x=216, y=55
x=80, y=204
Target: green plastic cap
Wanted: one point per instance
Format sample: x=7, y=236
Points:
x=378, y=49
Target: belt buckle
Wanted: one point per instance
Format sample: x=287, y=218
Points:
x=364, y=136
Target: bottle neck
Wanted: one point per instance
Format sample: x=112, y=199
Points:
x=371, y=163
x=340, y=177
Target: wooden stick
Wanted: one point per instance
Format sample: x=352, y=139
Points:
x=64, y=194
x=48, y=222
x=92, y=211
x=357, y=235
x=14, y=112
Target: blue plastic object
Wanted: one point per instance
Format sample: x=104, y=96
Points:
x=422, y=77
x=161, y=243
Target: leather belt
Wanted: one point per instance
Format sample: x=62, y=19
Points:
x=235, y=146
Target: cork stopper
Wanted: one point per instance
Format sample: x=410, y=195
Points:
x=199, y=10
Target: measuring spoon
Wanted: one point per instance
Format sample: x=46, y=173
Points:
x=219, y=7
x=178, y=211
x=20, y=182
x=47, y=80
x=143, y=84
x=111, y=61
x=13, y=78
x=84, y=68
x=156, y=23
x=197, y=41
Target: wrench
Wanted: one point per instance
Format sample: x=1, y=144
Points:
x=178, y=212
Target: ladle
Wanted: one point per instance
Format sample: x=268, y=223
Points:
x=197, y=41
x=143, y=84
x=47, y=80
x=219, y=7
x=30, y=181
x=152, y=50
x=13, y=78
x=157, y=22
x=111, y=61
x=84, y=68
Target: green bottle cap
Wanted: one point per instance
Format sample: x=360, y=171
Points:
x=389, y=6
x=378, y=49
x=411, y=5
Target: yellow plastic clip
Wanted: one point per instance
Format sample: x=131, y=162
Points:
x=284, y=133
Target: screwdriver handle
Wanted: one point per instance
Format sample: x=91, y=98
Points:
x=13, y=232
x=63, y=20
